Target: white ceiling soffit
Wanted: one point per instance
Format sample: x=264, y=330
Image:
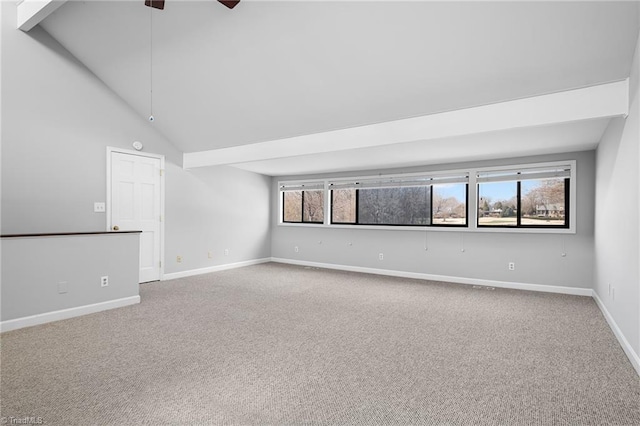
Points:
x=602, y=101
x=567, y=137
x=32, y=12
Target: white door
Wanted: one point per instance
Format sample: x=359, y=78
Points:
x=135, y=206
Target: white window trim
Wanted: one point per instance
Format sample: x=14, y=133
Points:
x=473, y=199
x=472, y=215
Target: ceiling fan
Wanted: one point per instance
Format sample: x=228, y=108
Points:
x=159, y=4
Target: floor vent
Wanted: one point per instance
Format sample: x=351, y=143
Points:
x=483, y=287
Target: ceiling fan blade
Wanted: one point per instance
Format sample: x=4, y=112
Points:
x=158, y=4
x=230, y=3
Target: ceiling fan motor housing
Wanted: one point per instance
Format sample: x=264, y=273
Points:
x=159, y=4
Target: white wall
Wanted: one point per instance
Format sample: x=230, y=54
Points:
x=617, y=252
x=538, y=257
x=215, y=209
x=77, y=260
x=58, y=118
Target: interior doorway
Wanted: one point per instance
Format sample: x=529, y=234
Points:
x=135, y=202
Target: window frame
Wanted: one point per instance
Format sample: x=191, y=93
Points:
x=300, y=186
x=429, y=178
x=430, y=224
x=283, y=201
x=357, y=202
x=466, y=211
x=357, y=206
x=570, y=199
x=472, y=200
x=567, y=209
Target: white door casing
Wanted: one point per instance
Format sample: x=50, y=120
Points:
x=135, y=195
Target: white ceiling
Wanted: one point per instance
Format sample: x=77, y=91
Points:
x=271, y=70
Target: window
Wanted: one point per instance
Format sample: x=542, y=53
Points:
x=303, y=203
x=313, y=206
x=394, y=206
x=526, y=198
x=343, y=206
x=544, y=202
x=292, y=206
x=405, y=201
x=518, y=198
x=497, y=205
x=449, y=204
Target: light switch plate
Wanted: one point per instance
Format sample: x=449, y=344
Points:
x=99, y=207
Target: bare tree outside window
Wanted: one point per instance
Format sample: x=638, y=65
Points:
x=449, y=204
x=292, y=206
x=543, y=202
x=395, y=206
x=343, y=206
x=313, y=206
x=303, y=206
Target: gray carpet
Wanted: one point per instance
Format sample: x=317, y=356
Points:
x=278, y=344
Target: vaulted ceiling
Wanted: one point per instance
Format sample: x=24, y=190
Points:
x=268, y=70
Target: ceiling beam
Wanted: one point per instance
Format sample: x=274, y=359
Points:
x=32, y=12
x=605, y=100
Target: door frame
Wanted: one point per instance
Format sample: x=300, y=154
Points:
x=110, y=150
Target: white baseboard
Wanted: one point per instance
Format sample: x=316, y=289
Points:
x=460, y=280
x=192, y=272
x=38, y=319
x=628, y=350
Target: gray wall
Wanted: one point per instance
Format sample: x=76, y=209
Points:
x=32, y=268
x=538, y=257
x=617, y=216
x=58, y=118
x=214, y=209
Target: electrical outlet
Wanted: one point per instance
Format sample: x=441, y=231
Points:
x=62, y=287
x=226, y=252
x=381, y=256
x=99, y=207
x=104, y=281
x=179, y=259
x=296, y=249
x=512, y=266
x=210, y=255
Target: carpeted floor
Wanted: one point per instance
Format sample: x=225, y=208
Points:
x=278, y=344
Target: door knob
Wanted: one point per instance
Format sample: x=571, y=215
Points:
x=116, y=228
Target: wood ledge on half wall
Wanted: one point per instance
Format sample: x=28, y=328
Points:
x=58, y=234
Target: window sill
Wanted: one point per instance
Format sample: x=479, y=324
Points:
x=434, y=228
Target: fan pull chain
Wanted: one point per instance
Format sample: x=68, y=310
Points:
x=151, y=118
